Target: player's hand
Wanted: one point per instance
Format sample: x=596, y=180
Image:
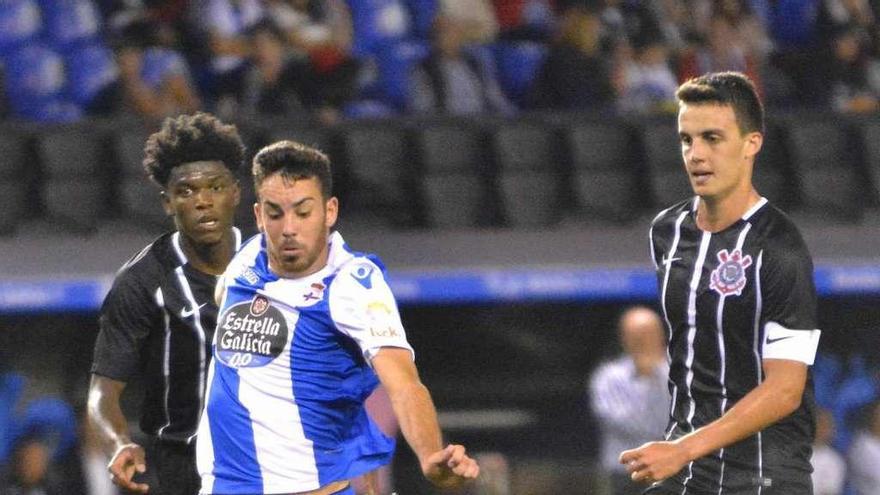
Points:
x=450, y=467
x=654, y=461
x=128, y=460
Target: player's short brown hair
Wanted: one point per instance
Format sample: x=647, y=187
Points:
x=727, y=88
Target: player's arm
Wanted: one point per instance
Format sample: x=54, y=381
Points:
x=110, y=425
x=447, y=467
x=775, y=398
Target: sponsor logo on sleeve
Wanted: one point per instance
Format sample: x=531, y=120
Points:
x=251, y=334
x=362, y=275
x=379, y=315
x=729, y=278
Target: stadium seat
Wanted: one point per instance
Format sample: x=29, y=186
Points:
x=605, y=170
x=528, y=173
x=869, y=133
x=138, y=198
x=91, y=70
x=35, y=85
x=823, y=158
x=377, y=23
x=422, y=13
x=69, y=22
x=74, y=168
x=665, y=166
x=395, y=62
x=20, y=24
x=518, y=64
x=379, y=174
x=13, y=181
x=454, y=175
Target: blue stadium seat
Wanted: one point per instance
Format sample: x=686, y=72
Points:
x=69, y=22
x=518, y=64
x=91, y=69
x=20, y=24
x=36, y=83
x=377, y=23
x=422, y=13
x=395, y=62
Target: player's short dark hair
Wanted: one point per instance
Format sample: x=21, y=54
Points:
x=192, y=138
x=293, y=160
x=727, y=88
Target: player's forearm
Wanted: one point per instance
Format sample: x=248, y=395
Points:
x=418, y=419
x=106, y=416
x=760, y=408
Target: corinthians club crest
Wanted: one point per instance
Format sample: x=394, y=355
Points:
x=730, y=275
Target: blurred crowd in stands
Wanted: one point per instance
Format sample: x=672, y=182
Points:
x=62, y=60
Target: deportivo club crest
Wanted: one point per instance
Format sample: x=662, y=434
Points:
x=259, y=306
x=730, y=275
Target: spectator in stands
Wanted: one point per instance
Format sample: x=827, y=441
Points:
x=320, y=34
x=829, y=468
x=849, y=80
x=224, y=25
x=276, y=80
x=525, y=19
x=452, y=81
x=476, y=18
x=863, y=458
x=629, y=395
x=575, y=75
x=31, y=470
x=749, y=32
x=648, y=81
x=156, y=81
x=722, y=52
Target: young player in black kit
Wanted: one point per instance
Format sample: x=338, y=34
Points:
x=737, y=293
x=158, y=319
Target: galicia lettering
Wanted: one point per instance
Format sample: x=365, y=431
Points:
x=251, y=333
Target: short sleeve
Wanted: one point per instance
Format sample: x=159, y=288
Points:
x=129, y=312
x=789, y=301
x=788, y=291
x=363, y=308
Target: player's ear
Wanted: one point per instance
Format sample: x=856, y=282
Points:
x=166, y=202
x=754, y=141
x=331, y=212
x=258, y=209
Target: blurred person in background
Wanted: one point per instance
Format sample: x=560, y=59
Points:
x=30, y=471
x=576, y=75
x=451, y=81
x=737, y=294
x=308, y=328
x=320, y=34
x=648, y=83
x=863, y=458
x=155, y=79
x=224, y=25
x=851, y=72
x=629, y=395
x=159, y=316
x=721, y=51
x=829, y=467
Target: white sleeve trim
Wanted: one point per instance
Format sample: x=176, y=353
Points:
x=795, y=345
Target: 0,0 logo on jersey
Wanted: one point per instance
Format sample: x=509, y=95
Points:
x=730, y=275
x=251, y=334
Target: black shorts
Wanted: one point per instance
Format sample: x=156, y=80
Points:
x=779, y=487
x=174, y=469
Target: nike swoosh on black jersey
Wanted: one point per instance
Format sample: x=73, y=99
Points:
x=770, y=341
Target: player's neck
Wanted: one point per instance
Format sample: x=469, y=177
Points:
x=716, y=214
x=209, y=258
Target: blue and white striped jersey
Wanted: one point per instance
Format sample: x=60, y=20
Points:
x=286, y=388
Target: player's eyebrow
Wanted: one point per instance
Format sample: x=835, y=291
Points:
x=272, y=204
